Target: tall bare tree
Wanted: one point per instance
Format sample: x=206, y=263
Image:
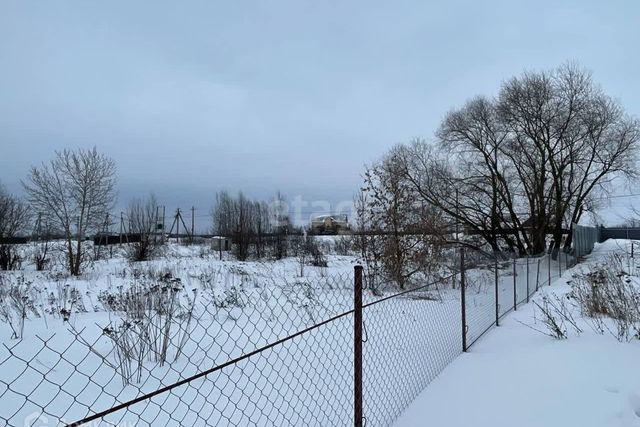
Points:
x=75, y=190
x=14, y=218
x=248, y=222
x=569, y=138
x=528, y=162
x=281, y=226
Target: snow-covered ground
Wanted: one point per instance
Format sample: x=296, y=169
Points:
x=71, y=368
x=516, y=376
x=61, y=371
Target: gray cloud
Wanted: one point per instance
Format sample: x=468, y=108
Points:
x=191, y=97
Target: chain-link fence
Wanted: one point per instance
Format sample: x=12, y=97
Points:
x=305, y=352
x=165, y=355
x=409, y=338
x=497, y=283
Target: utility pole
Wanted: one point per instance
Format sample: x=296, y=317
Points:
x=103, y=239
x=178, y=225
x=163, y=216
x=193, y=221
x=156, y=221
x=121, y=226
x=177, y=219
x=109, y=235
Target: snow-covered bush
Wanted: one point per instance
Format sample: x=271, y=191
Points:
x=608, y=292
x=308, y=252
x=39, y=255
x=143, y=220
x=302, y=295
x=154, y=318
x=556, y=316
x=235, y=296
x=344, y=245
x=17, y=302
x=64, y=300
x=317, y=257
x=209, y=276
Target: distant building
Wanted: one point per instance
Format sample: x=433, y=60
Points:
x=219, y=243
x=329, y=224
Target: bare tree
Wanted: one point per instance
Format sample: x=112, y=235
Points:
x=392, y=212
x=528, y=162
x=462, y=190
x=248, y=222
x=142, y=216
x=224, y=215
x=14, y=217
x=281, y=226
x=578, y=138
x=43, y=233
x=408, y=229
x=474, y=139
x=367, y=241
x=75, y=191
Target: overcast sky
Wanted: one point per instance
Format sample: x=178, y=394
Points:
x=191, y=97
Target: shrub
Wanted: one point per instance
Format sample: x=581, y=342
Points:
x=149, y=311
x=17, y=301
x=607, y=292
x=344, y=245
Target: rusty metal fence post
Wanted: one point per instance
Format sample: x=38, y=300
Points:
x=495, y=263
x=357, y=346
x=463, y=303
x=559, y=264
x=528, y=259
x=515, y=286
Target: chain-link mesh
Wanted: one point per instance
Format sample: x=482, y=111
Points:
x=256, y=354
x=160, y=336
x=523, y=274
x=506, y=289
x=410, y=337
x=497, y=284
x=480, y=295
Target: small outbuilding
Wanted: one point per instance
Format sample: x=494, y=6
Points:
x=220, y=243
